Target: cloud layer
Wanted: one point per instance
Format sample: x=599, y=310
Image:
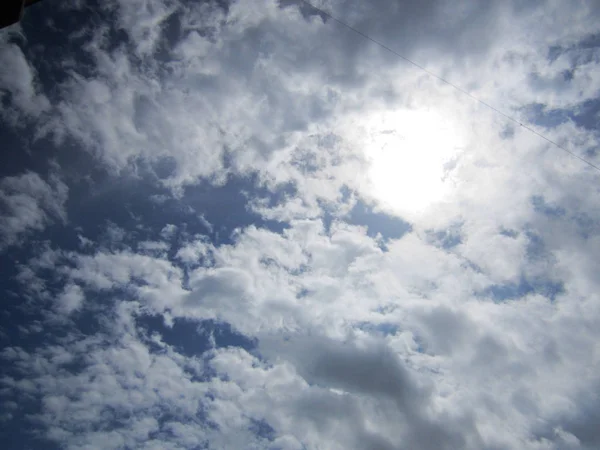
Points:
x=199, y=253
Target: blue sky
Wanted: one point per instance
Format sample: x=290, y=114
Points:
x=237, y=224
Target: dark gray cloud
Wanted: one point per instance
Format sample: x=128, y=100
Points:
x=365, y=372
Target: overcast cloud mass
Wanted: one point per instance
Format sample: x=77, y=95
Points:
x=240, y=225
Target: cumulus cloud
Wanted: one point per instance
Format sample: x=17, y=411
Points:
x=29, y=204
x=470, y=321
x=463, y=371
x=71, y=299
x=19, y=85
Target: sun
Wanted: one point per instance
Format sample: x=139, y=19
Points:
x=410, y=154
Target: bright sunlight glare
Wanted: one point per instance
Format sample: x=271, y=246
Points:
x=410, y=153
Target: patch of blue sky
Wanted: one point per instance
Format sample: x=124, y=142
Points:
x=105, y=204
x=46, y=44
x=24, y=315
x=536, y=248
x=540, y=205
x=585, y=225
x=262, y=429
x=590, y=42
x=15, y=436
x=446, y=239
x=226, y=207
x=510, y=291
x=585, y=115
x=421, y=345
x=193, y=337
x=381, y=328
x=377, y=222
x=508, y=232
x=543, y=116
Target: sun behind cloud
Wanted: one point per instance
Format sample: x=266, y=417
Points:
x=410, y=155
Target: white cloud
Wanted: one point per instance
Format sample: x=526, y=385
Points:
x=18, y=83
x=168, y=232
x=30, y=204
x=71, y=299
x=468, y=372
x=360, y=344
x=196, y=252
x=153, y=247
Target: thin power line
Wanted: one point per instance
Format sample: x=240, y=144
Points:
x=458, y=88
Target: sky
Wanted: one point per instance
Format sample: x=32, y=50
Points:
x=241, y=225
